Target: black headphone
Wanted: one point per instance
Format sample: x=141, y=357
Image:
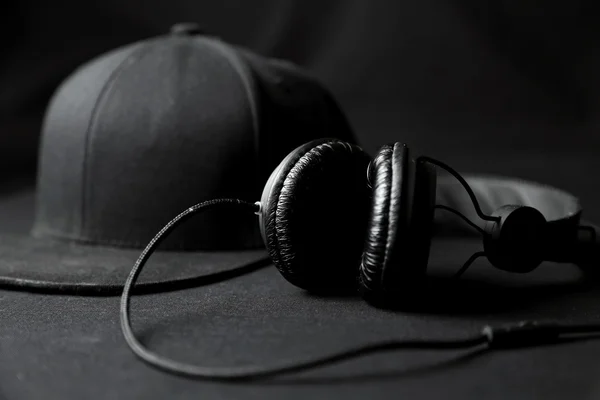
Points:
x=382, y=223
x=335, y=220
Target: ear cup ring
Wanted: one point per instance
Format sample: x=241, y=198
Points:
x=421, y=223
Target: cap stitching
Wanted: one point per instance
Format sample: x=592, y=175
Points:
x=249, y=89
x=142, y=48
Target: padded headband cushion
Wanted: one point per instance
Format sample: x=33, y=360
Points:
x=316, y=214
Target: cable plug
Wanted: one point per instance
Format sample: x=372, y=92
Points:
x=522, y=334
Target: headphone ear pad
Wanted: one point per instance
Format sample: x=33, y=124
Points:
x=314, y=215
x=387, y=222
x=399, y=229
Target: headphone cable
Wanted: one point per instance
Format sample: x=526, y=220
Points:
x=511, y=336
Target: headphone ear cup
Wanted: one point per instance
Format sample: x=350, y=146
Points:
x=421, y=224
x=399, y=229
x=388, y=219
x=314, y=215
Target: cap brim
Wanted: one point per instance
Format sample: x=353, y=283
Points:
x=48, y=265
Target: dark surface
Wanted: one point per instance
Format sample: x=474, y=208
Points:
x=71, y=347
x=61, y=347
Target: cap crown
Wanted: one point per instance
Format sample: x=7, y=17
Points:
x=137, y=135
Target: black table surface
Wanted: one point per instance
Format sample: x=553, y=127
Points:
x=58, y=347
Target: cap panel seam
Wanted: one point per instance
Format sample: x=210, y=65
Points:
x=127, y=61
x=244, y=74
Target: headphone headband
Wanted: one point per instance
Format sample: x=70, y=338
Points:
x=567, y=241
x=493, y=192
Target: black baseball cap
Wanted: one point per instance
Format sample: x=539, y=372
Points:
x=138, y=134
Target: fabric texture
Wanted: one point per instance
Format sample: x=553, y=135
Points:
x=71, y=347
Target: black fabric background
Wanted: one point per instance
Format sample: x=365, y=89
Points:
x=500, y=87
x=435, y=74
